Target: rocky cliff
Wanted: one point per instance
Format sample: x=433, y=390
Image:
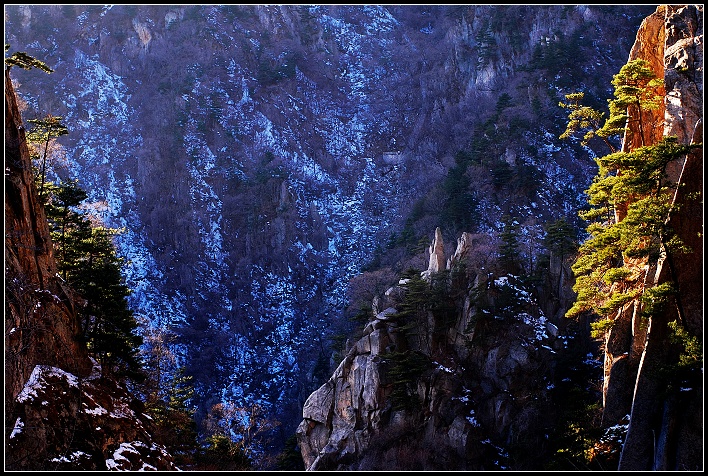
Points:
x=484, y=391
x=60, y=412
x=665, y=418
x=468, y=387
x=40, y=324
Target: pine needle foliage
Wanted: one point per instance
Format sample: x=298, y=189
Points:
x=405, y=371
x=561, y=238
x=173, y=416
x=25, y=61
x=290, y=459
x=635, y=182
x=88, y=262
x=582, y=119
x=43, y=132
x=630, y=197
x=509, y=248
x=415, y=306
x=637, y=89
x=427, y=312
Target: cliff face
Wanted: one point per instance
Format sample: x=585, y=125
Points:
x=40, y=324
x=665, y=425
x=479, y=381
x=59, y=414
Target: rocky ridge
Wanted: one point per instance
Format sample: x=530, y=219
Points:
x=487, y=385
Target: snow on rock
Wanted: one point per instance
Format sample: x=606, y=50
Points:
x=68, y=423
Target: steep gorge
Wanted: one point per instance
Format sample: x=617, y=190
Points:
x=260, y=157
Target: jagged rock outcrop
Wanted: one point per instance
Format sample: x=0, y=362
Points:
x=436, y=263
x=486, y=385
x=464, y=244
x=59, y=415
x=660, y=436
x=63, y=422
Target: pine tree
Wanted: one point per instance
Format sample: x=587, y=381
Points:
x=459, y=209
x=509, y=249
x=66, y=224
x=43, y=133
x=87, y=260
x=109, y=325
x=412, y=313
x=604, y=268
x=405, y=369
x=290, y=459
x=561, y=238
x=583, y=118
x=25, y=61
x=631, y=200
x=173, y=416
x=637, y=89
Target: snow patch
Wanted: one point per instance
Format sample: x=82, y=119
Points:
x=36, y=381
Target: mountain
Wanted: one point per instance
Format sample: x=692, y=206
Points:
x=260, y=158
x=484, y=390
